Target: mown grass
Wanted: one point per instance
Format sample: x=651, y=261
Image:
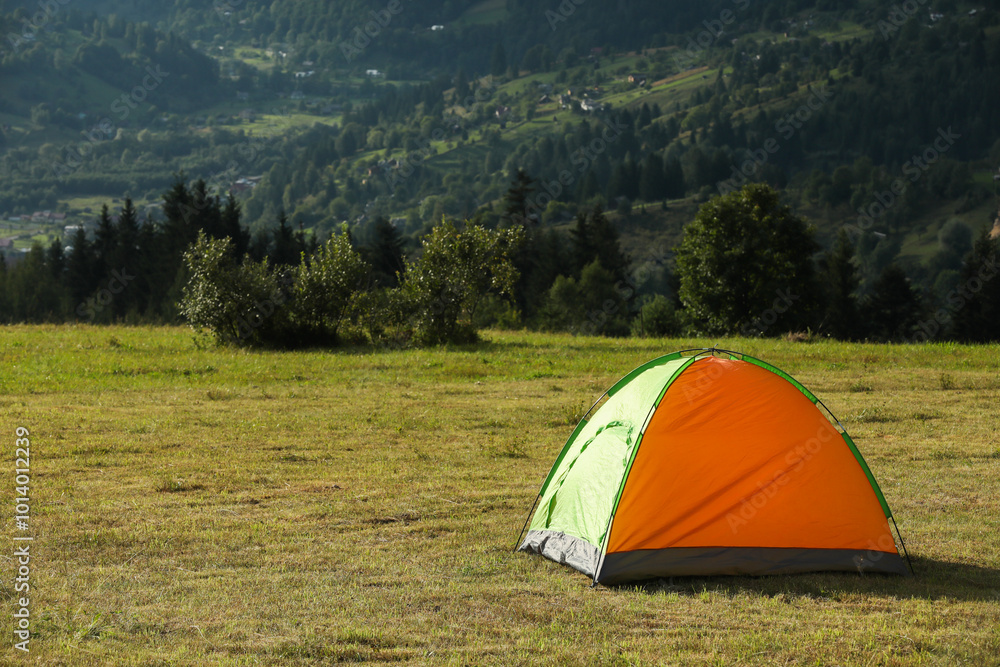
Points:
x=202, y=505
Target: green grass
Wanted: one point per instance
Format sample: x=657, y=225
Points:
x=201, y=505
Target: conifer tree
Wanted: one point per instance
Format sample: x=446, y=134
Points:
x=841, y=281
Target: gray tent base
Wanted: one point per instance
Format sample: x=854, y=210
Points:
x=705, y=561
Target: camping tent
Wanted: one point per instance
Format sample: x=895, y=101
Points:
x=711, y=463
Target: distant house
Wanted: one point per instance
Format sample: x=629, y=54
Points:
x=244, y=184
x=638, y=79
x=502, y=112
x=591, y=106
x=565, y=101
x=45, y=216
x=373, y=73
x=436, y=28
x=544, y=99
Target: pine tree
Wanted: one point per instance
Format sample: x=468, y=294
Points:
x=617, y=184
x=652, y=184
x=229, y=226
x=385, y=254
x=893, y=309
x=975, y=303
x=673, y=177
x=518, y=208
x=79, y=269
x=588, y=187
x=841, y=280
x=609, y=250
x=55, y=259
x=105, y=242
x=498, y=62
x=287, y=245
x=179, y=227
x=595, y=238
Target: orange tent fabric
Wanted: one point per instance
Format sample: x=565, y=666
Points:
x=736, y=455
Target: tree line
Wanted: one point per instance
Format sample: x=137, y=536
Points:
x=746, y=265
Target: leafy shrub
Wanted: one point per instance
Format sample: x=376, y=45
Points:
x=452, y=277
x=238, y=303
x=657, y=318
x=326, y=286
x=254, y=304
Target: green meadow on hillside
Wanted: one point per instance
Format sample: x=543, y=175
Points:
x=200, y=505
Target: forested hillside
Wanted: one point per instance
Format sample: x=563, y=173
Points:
x=877, y=119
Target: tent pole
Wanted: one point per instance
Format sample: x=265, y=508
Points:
x=532, y=511
x=905, y=552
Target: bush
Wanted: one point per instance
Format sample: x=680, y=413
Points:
x=456, y=271
x=254, y=304
x=657, y=319
x=591, y=305
x=326, y=286
x=238, y=303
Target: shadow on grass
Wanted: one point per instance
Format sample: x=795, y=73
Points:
x=933, y=580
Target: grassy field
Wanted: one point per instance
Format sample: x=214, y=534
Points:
x=202, y=505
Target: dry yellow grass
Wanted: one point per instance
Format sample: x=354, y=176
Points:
x=215, y=506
